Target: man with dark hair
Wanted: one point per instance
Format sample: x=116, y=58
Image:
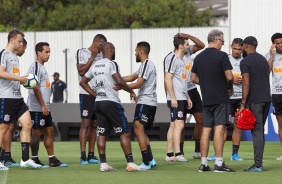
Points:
x=109, y=112
x=6, y=156
x=146, y=106
x=255, y=95
x=58, y=87
x=86, y=57
x=178, y=101
x=274, y=58
x=14, y=108
x=212, y=71
x=39, y=107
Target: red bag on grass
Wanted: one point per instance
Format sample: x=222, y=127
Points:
x=245, y=120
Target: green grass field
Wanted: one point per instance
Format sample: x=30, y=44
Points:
x=165, y=172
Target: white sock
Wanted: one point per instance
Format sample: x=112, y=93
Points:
x=219, y=161
x=51, y=156
x=204, y=161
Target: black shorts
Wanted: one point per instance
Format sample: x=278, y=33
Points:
x=277, y=104
x=145, y=114
x=41, y=121
x=11, y=109
x=180, y=112
x=87, y=107
x=234, y=105
x=218, y=114
x=196, y=100
x=110, y=115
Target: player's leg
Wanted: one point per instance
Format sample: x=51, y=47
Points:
x=3, y=130
x=7, y=145
x=198, y=133
x=277, y=111
x=83, y=134
x=92, y=134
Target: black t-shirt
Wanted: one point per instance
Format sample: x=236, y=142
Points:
x=257, y=67
x=58, y=88
x=210, y=66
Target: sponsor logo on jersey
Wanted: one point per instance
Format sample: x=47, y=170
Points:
x=236, y=74
x=277, y=70
x=47, y=84
x=188, y=66
x=15, y=70
x=101, y=65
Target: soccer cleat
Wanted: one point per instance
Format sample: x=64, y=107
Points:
x=11, y=162
x=197, y=155
x=170, y=159
x=104, y=167
x=54, y=162
x=181, y=158
x=30, y=164
x=279, y=158
x=153, y=163
x=223, y=168
x=204, y=168
x=212, y=158
x=235, y=157
x=93, y=160
x=147, y=167
x=253, y=168
x=83, y=161
x=134, y=167
x=3, y=168
x=37, y=161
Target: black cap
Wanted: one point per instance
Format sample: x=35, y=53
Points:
x=56, y=74
x=250, y=40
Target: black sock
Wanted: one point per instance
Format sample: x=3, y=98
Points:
x=197, y=145
x=103, y=158
x=2, y=157
x=235, y=149
x=90, y=155
x=150, y=154
x=83, y=155
x=25, y=151
x=181, y=148
x=129, y=158
x=7, y=155
x=145, y=157
x=169, y=154
x=177, y=154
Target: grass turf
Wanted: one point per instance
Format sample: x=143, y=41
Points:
x=165, y=172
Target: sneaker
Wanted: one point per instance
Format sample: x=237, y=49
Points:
x=37, y=161
x=223, y=168
x=104, y=167
x=181, y=158
x=133, y=167
x=212, y=158
x=279, y=158
x=170, y=159
x=11, y=162
x=235, y=157
x=84, y=161
x=54, y=162
x=93, y=160
x=147, y=167
x=3, y=168
x=30, y=164
x=197, y=155
x=204, y=168
x=253, y=168
x=153, y=163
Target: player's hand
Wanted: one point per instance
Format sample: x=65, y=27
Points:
x=133, y=97
x=230, y=92
x=23, y=79
x=45, y=111
x=95, y=52
x=116, y=87
x=174, y=103
x=183, y=35
x=238, y=80
x=240, y=109
x=271, y=50
x=190, y=103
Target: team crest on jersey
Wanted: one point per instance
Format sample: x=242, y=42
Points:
x=85, y=113
x=6, y=117
x=101, y=130
x=42, y=122
x=117, y=129
x=180, y=114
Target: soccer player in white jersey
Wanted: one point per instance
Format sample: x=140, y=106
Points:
x=175, y=78
x=85, y=58
x=39, y=106
x=274, y=58
x=197, y=108
x=109, y=112
x=6, y=156
x=13, y=107
x=146, y=107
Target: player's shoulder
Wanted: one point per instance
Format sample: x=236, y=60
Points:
x=170, y=57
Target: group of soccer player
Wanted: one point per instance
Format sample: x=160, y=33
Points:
x=100, y=106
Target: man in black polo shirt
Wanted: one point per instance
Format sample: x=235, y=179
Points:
x=255, y=95
x=58, y=87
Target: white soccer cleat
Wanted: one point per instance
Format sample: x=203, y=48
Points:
x=170, y=159
x=279, y=158
x=197, y=155
x=134, y=167
x=3, y=168
x=181, y=158
x=104, y=167
x=30, y=164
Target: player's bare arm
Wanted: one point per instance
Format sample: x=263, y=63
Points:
x=270, y=60
x=199, y=45
x=130, y=78
x=245, y=90
x=39, y=97
x=84, y=84
x=194, y=78
x=5, y=75
x=230, y=80
x=140, y=81
x=122, y=84
x=83, y=68
x=169, y=88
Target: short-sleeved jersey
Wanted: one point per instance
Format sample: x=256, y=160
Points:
x=82, y=56
x=9, y=88
x=44, y=84
x=175, y=65
x=236, y=72
x=101, y=74
x=257, y=68
x=147, y=92
x=210, y=66
x=57, y=88
x=189, y=62
x=276, y=72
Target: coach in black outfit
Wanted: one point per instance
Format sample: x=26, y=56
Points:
x=256, y=95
